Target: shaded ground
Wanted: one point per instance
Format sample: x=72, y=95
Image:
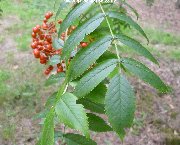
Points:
x=157, y=117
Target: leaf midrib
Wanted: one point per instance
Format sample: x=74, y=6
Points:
x=95, y=74
x=89, y=53
x=72, y=112
x=86, y=24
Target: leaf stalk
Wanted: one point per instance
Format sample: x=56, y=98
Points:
x=110, y=29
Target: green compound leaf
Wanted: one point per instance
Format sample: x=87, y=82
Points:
x=41, y=114
x=120, y=104
x=90, y=80
x=97, y=95
x=76, y=139
x=106, y=55
x=79, y=33
x=86, y=57
x=51, y=100
x=54, y=60
x=97, y=124
x=113, y=73
x=133, y=44
x=71, y=114
x=130, y=7
x=54, y=79
x=73, y=15
x=58, y=43
x=58, y=135
x=145, y=74
x=62, y=6
x=48, y=129
x=92, y=106
x=128, y=20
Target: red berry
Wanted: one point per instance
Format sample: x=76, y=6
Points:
x=43, y=61
x=36, y=53
x=33, y=35
x=73, y=27
x=59, y=51
x=35, y=39
x=47, y=72
x=53, y=30
x=49, y=47
x=51, y=14
x=45, y=43
x=33, y=45
x=59, y=21
x=35, y=30
x=84, y=44
x=36, y=42
x=59, y=69
x=40, y=43
x=48, y=38
x=40, y=48
x=45, y=26
x=40, y=32
x=42, y=57
x=47, y=15
x=45, y=20
x=38, y=26
x=59, y=64
x=50, y=67
x=41, y=36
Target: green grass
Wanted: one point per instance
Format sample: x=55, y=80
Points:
x=23, y=42
x=169, y=52
x=8, y=132
x=1, y=39
x=158, y=36
x=15, y=85
x=26, y=9
x=24, y=88
x=29, y=13
x=155, y=36
x=174, y=54
x=19, y=88
x=4, y=76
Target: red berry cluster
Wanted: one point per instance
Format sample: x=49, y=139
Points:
x=42, y=38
